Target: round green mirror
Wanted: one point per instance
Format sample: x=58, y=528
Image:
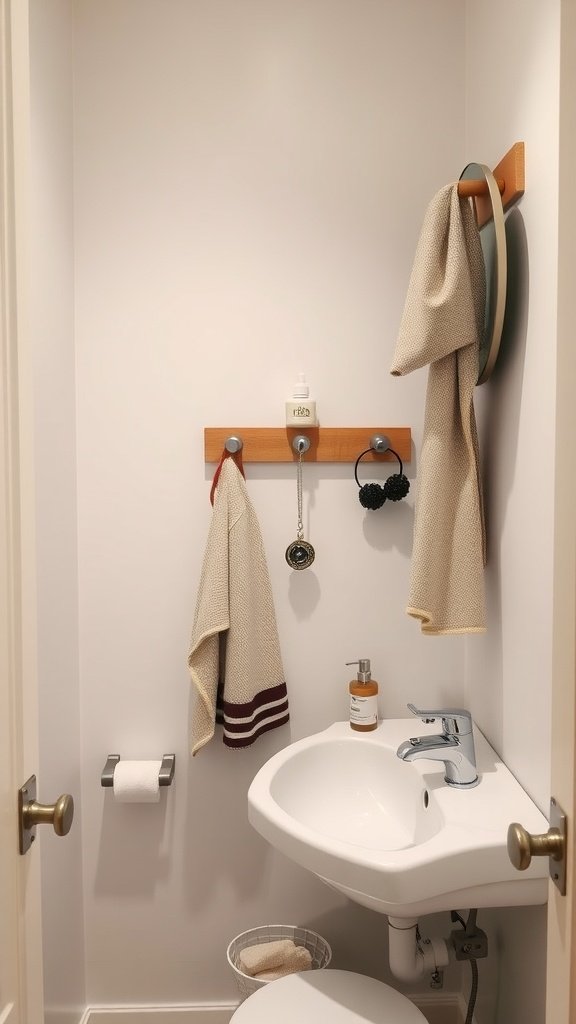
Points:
x=490, y=217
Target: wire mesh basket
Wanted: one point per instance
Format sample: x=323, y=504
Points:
x=318, y=948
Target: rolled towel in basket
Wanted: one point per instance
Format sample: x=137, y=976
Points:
x=279, y=954
x=299, y=960
x=265, y=956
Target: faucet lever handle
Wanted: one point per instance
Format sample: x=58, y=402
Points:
x=454, y=720
x=426, y=716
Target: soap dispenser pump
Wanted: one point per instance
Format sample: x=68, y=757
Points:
x=363, y=698
x=301, y=409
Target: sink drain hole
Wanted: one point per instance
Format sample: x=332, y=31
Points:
x=425, y=798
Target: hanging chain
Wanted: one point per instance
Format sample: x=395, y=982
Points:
x=300, y=532
x=300, y=554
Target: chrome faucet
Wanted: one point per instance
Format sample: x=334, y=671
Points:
x=454, y=745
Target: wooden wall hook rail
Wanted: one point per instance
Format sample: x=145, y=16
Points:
x=469, y=189
x=327, y=444
x=510, y=178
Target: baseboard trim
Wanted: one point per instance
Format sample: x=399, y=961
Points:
x=202, y=1013
x=445, y=1008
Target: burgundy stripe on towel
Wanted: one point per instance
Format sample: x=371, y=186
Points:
x=239, y=741
x=262, y=716
x=244, y=723
x=233, y=710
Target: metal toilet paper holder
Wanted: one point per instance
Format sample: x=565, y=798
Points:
x=165, y=775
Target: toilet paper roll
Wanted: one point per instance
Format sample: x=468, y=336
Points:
x=136, y=782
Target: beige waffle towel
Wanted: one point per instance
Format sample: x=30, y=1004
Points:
x=301, y=960
x=442, y=323
x=234, y=661
x=280, y=957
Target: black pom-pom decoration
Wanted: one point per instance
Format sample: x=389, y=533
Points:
x=396, y=487
x=372, y=496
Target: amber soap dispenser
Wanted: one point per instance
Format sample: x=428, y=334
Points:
x=363, y=698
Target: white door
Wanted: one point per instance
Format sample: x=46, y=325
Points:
x=561, y=973
x=20, y=932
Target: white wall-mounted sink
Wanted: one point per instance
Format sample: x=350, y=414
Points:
x=390, y=834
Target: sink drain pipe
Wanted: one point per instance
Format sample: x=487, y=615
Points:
x=411, y=957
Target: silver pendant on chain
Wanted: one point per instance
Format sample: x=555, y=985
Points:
x=300, y=554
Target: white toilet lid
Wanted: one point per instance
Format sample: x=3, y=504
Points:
x=327, y=997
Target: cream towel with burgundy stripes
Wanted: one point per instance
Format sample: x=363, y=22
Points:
x=234, y=660
x=442, y=324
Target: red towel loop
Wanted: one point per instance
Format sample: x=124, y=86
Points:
x=237, y=456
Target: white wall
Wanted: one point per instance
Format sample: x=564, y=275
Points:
x=512, y=94
x=249, y=186
x=52, y=324
x=509, y=668
x=250, y=181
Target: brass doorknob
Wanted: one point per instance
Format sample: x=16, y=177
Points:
x=522, y=845
x=31, y=813
x=59, y=814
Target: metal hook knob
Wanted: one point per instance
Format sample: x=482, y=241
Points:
x=301, y=444
x=379, y=443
